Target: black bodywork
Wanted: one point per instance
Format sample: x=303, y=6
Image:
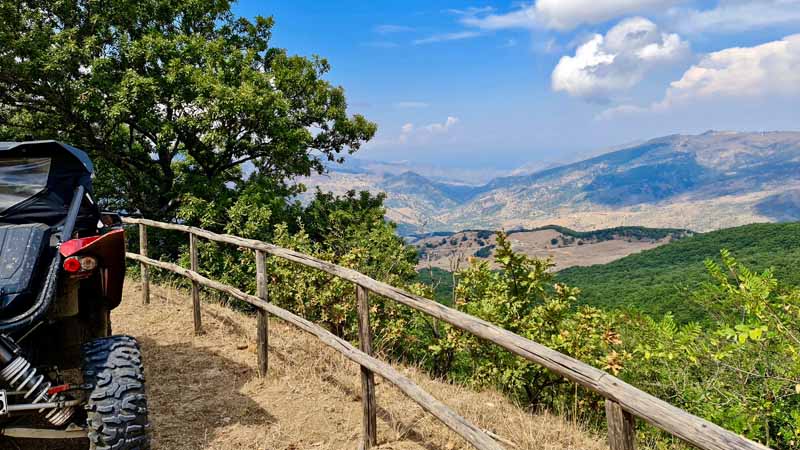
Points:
x=48, y=216
x=21, y=247
x=33, y=286
x=69, y=168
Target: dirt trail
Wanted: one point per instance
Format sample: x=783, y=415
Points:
x=204, y=392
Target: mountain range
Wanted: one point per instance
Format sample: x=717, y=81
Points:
x=702, y=182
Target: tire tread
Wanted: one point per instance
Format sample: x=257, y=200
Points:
x=117, y=406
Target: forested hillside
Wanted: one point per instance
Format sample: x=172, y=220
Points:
x=659, y=280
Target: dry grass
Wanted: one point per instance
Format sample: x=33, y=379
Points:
x=204, y=392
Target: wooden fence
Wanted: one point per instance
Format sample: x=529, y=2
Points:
x=624, y=403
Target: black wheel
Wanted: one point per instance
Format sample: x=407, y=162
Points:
x=117, y=407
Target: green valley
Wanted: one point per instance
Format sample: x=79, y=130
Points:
x=658, y=281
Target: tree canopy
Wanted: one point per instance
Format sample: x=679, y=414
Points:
x=170, y=97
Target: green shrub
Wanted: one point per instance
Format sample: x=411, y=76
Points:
x=484, y=252
x=739, y=369
x=742, y=370
x=522, y=297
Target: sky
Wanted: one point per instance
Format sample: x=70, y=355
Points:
x=498, y=84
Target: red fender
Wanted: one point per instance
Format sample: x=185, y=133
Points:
x=109, y=250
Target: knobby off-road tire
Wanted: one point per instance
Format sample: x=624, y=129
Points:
x=117, y=407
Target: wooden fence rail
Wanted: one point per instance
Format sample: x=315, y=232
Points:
x=623, y=402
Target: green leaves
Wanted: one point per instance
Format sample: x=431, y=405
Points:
x=174, y=95
x=522, y=297
x=348, y=230
x=741, y=370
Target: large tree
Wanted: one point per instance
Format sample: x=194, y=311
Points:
x=169, y=96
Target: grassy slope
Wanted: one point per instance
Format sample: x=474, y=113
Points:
x=613, y=233
x=656, y=281
x=600, y=235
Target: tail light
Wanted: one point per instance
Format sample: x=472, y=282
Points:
x=77, y=264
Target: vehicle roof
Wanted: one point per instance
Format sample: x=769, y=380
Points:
x=53, y=146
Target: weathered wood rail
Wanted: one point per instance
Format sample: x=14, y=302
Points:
x=624, y=403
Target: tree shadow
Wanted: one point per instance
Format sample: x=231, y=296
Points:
x=193, y=392
x=404, y=429
x=7, y=443
x=235, y=328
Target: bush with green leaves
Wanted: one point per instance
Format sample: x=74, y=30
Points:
x=523, y=298
x=739, y=369
x=742, y=370
x=348, y=230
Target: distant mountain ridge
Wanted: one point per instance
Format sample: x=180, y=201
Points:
x=700, y=182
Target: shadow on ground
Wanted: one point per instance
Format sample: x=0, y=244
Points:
x=197, y=392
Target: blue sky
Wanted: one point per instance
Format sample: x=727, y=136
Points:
x=502, y=83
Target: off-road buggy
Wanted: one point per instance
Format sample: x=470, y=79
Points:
x=62, y=267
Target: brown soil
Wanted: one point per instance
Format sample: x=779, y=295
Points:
x=204, y=392
x=538, y=244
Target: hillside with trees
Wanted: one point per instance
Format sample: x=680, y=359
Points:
x=699, y=182
x=739, y=367
x=659, y=281
x=566, y=247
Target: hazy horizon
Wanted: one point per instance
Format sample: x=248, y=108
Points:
x=509, y=165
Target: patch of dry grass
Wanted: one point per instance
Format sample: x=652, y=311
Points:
x=204, y=392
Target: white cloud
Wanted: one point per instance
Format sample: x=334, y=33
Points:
x=441, y=127
x=617, y=61
x=620, y=110
x=457, y=36
x=770, y=69
x=472, y=10
x=766, y=69
x=410, y=132
x=563, y=14
x=738, y=15
x=568, y=14
x=525, y=17
x=410, y=105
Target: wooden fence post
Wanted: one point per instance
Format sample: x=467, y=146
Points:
x=621, y=427
x=143, y=266
x=370, y=421
x=263, y=317
x=194, y=265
